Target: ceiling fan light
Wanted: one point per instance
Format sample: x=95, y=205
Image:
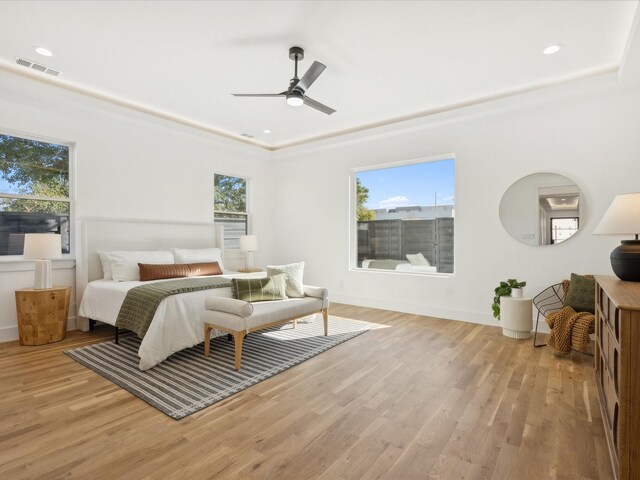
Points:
x=295, y=100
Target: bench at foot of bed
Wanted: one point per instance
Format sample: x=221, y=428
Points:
x=238, y=318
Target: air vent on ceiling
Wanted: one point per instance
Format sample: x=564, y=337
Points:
x=246, y=135
x=37, y=66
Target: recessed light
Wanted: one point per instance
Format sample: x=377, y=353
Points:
x=266, y=130
x=43, y=51
x=551, y=49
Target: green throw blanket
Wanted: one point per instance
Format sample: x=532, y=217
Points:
x=140, y=304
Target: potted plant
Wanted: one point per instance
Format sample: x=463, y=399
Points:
x=505, y=288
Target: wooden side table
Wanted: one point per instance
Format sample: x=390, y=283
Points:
x=42, y=314
x=250, y=270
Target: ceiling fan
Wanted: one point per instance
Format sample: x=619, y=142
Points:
x=296, y=93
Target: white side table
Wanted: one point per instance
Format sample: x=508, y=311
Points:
x=516, y=316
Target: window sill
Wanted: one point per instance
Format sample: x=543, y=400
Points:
x=396, y=272
x=19, y=264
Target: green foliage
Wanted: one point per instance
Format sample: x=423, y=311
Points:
x=362, y=195
x=53, y=189
x=504, y=289
x=28, y=163
x=230, y=194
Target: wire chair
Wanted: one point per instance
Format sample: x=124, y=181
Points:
x=548, y=301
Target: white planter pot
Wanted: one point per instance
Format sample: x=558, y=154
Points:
x=516, y=316
x=517, y=292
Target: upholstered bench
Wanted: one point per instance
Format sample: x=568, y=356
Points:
x=239, y=318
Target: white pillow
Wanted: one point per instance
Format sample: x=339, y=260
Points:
x=198, y=255
x=293, y=275
x=106, y=265
x=418, y=260
x=124, y=265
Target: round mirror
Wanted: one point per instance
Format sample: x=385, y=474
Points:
x=541, y=209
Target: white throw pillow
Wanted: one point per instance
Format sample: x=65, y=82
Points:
x=106, y=265
x=124, y=265
x=293, y=274
x=418, y=260
x=198, y=255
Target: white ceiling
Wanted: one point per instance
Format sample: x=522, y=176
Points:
x=385, y=60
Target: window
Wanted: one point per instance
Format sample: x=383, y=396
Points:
x=230, y=208
x=563, y=228
x=34, y=192
x=404, y=217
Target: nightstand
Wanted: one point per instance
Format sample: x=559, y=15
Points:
x=42, y=314
x=250, y=270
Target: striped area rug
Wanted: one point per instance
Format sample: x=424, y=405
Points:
x=188, y=381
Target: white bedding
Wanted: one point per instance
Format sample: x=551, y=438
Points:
x=177, y=324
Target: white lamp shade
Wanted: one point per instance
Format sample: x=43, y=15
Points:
x=622, y=217
x=248, y=243
x=39, y=246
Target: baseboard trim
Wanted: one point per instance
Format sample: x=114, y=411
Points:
x=10, y=334
x=418, y=309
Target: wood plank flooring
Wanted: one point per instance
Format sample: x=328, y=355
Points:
x=423, y=399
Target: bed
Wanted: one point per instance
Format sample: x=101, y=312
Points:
x=178, y=322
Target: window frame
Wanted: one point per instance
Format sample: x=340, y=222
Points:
x=71, y=200
x=248, y=197
x=353, y=219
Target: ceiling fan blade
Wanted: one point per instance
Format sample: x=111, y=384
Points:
x=318, y=106
x=312, y=74
x=259, y=94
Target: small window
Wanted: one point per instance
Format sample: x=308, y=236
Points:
x=563, y=228
x=405, y=218
x=34, y=192
x=230, y=208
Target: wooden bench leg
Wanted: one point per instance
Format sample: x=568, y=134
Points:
x=207, y=336
x=325, y=317
x=238, y=337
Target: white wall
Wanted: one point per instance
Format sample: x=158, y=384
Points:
x=128, y=166
x=132, y=166
x=591, y=138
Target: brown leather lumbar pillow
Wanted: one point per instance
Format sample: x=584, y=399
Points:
x=151, y=271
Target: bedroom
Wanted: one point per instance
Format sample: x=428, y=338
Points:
x=143, y=153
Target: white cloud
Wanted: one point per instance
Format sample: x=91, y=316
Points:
x=446, y=199
x=399, y=201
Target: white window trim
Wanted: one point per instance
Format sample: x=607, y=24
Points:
x=72, y=146
x=353, y=224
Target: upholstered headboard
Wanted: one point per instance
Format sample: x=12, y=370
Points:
x=107, y=235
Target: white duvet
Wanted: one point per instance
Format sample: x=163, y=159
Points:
x=177, y=324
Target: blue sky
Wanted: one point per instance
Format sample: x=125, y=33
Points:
x=410, y=185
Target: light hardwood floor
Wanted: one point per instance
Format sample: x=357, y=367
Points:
x=425, y=398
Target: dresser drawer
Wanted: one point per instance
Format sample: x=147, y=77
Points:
x=613, y=359
x=610, y=313
x=611, y=405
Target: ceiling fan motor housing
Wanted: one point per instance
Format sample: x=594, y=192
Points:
x=293, y=51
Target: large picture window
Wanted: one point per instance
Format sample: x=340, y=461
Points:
x=230, y=208
x=34, y=192
x=405, y=218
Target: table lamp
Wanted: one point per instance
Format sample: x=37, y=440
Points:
x=42, y=247
x=623, y=218
x=248, y=244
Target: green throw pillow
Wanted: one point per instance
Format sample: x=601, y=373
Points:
x=582, y=294
x=259, y=289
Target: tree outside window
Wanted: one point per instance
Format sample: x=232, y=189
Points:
x=230, y=207
x=34, y=191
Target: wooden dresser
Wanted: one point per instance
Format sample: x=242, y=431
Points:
x=617, y=362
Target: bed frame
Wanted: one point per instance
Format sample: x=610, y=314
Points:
x=106, y=235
